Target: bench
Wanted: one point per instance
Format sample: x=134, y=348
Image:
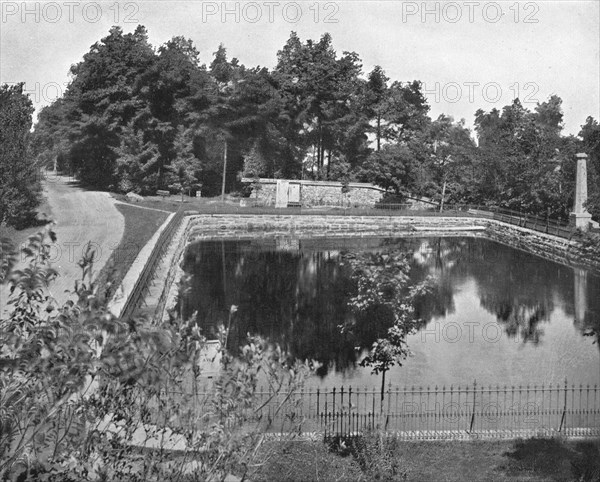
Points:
x=163, y=193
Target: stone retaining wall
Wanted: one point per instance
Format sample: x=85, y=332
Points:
x=319, y=193
x=228, y=226
x=561, y=250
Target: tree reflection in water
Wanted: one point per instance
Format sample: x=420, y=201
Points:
x=298, y=294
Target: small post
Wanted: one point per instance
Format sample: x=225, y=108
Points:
x=562, y=419
x=224, y=172
x=350, y=409
x=387, y=416
x=473, y=413
x=333, y=417
x=317, y=401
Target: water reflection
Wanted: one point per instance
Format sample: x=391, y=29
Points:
x=295, y=293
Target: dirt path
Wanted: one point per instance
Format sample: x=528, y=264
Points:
x=81, y=216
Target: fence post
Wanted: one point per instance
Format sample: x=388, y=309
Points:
x=558, y=224
x=317, y=402
x=333, y=417
x=562, y=419
x=341, y=413
x=520, y=216
x=350, y=409
x=387, y=415
x=474, y=399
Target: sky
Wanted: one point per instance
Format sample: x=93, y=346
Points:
x=469, y=55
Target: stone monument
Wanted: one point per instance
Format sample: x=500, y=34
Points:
x=580, y=218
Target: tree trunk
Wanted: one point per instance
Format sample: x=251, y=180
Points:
x=322, y=157
x=318, y=158
x=224, y=172
x=328, y=163
x=378, y=133
x=443, y=195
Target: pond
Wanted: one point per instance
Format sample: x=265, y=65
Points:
x=492, y=313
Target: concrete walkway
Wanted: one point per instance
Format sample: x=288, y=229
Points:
x=81, y=216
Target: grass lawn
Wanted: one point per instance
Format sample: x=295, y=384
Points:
x=231, y=205
x=170, y=203
x=530, y=460
x=140, y=225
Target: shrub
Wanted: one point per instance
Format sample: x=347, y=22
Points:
x=88, y=396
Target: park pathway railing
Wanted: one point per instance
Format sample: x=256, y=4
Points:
x=425, y=413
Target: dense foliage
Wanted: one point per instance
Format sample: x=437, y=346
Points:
x=135, y=118
x=19, y=184
x=383, y=289
x=85, y=395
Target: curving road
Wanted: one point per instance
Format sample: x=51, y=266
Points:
x=81, y=216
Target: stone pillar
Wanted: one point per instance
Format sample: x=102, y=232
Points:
x=580, y=218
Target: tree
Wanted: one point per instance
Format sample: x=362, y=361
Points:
x=382, y=289
x=321, y=96
x=389, y=168
x=452, y=152
x=166, y=88
x=101, y=101
x=136, y=162
x=183, y=171
x=523, y=159
x=19, y=180
x=406, y=111
x=376, y=97
x=50, y=141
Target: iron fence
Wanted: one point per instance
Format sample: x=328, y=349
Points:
x=557, y=227
x=417, y=413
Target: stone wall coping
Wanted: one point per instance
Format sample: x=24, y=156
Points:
x=118, y=301
x=356, y=185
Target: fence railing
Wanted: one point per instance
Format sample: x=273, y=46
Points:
x=424, y=412
x=557, y=227
x=145, y=278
